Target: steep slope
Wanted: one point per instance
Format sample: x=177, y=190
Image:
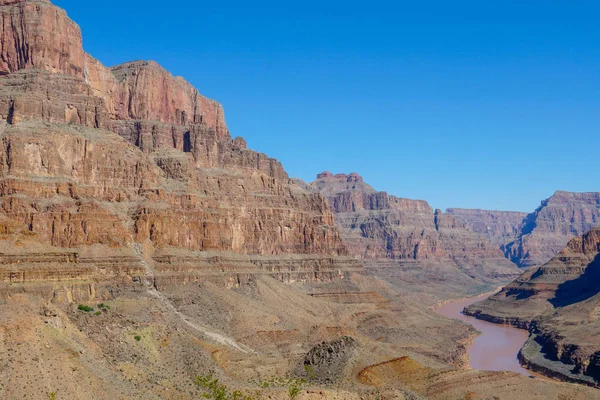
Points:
x=499, y=227
x=172, y=177
x=549, y=228
x=388, y=232
x=559, y=303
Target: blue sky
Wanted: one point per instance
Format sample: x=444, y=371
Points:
x=479, y=104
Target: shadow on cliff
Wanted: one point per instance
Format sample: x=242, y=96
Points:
x=580, y=289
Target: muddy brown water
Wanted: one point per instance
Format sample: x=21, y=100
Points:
x=496, y=349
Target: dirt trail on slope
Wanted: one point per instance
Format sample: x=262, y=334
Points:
x=217, y=337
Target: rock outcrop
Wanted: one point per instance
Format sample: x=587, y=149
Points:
x=558, y=302
x=387, y=230
x=328, y=362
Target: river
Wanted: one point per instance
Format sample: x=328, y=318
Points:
x=496, y=349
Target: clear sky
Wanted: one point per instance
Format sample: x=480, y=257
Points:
x=480, y=104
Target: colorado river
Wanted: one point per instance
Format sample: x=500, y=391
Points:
x=496, y=349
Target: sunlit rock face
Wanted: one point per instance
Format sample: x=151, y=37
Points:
x=380, y=227
x=96, y=160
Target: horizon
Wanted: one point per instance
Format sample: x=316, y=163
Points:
x=468, y=106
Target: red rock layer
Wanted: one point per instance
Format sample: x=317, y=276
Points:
x=378, y=226
x=93, y=157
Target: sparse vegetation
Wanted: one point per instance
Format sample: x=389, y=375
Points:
x=52, y=396
x=278, y=382
x=83, y=307
x=310, y=372
x=137, y=338
x=294, y=390
x=103, y=306
x=98, y=313
x=214, y=389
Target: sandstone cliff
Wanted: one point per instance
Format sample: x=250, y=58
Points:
x=533, y=239
x=131, y=160
x=385, y=230
x=547, y=230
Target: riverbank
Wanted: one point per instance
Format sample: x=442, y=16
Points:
x=497, y=347
x=531, y=355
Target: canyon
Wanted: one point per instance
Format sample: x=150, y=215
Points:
x=558, y=303
x=531, y=240
x=143, y=246
x=408, y=243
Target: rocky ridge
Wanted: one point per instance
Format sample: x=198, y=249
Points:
x=533, y=239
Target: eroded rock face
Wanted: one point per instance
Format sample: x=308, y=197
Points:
x=132, y=156
x=36, y=34
x=499, y=227
x=377, y=226
x=547, y=230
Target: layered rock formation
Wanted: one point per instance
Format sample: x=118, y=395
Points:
x=124, y=186
x=386, y=230
x=559, y=303
x=533, y=239
x=549, y=228
x=499, y=227
x=137, y=164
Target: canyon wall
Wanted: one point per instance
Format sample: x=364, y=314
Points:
x=549, y=228
x=499, y=227
x=108, y=165
x=533, y=239
x=385, y=230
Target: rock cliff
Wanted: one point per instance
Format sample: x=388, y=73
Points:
x=136, y=164
x=386, y=230
x=533, y=239
x=548, y=229
x=499, y=227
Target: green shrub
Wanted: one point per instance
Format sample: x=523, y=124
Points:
x=137, y=337
x=294, y=391
x=213, y=389
x=85, y=308
x=98, y=313
x=310, y=372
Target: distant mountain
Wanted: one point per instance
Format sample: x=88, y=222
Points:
x=549, y=228
x=387, y=230
x=499, y=227
x=533, y=239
